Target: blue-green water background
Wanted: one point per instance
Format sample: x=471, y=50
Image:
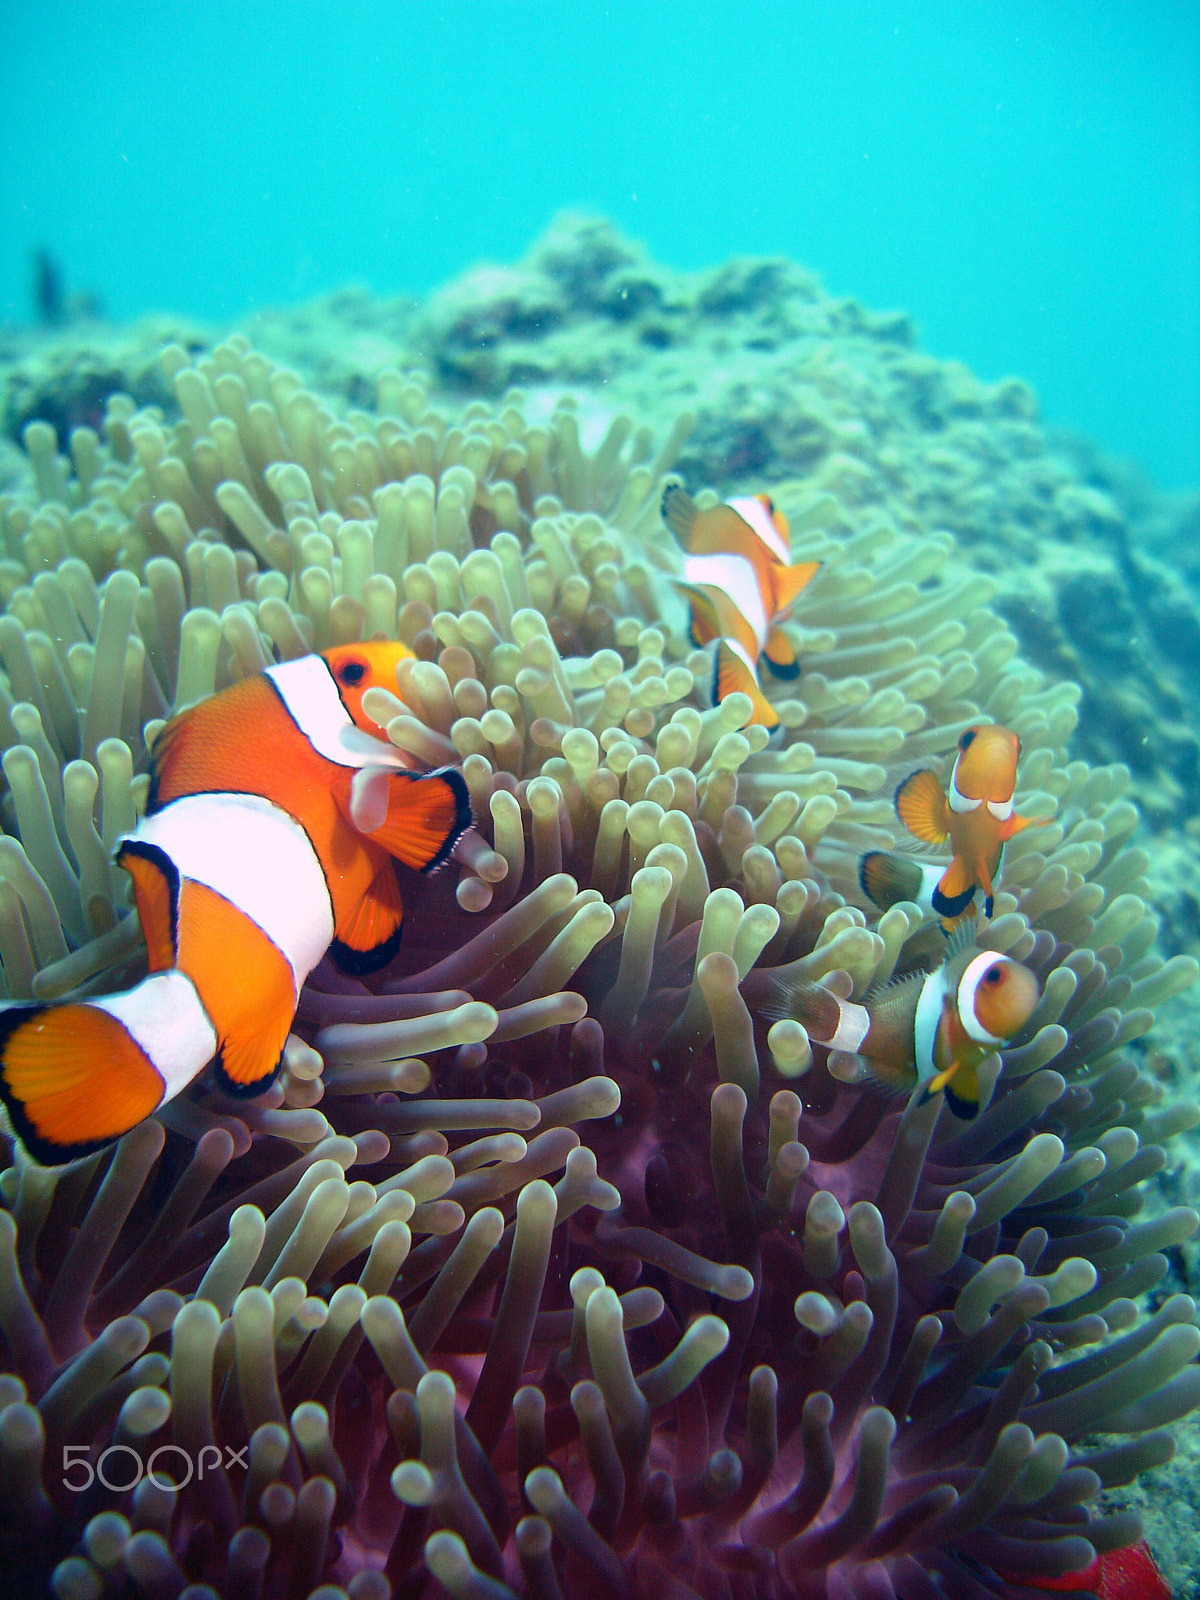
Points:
x=1023, y=177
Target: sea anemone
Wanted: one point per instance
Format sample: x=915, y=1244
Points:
x=534, y=1273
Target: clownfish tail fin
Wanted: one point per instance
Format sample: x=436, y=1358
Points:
x=72, y=1079
x=886, y=878
x=678, y=511
x=817, y=1010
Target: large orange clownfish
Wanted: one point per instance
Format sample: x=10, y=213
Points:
x=975, y=813
x=274, y=817
x=740, y=583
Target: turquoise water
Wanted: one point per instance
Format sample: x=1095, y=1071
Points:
x=1024, y=178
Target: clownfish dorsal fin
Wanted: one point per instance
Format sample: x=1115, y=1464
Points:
x=888, y=988
x=921, y=806
x=427, y=814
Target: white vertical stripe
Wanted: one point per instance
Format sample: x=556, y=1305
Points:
x=931, y=876
x=307, y=689
x=853, y=1022
x=165, y=1019
x=753, y=511
x=967, y=986
x=925, y=1023
x=739, y=651
x=735, y=577
x=259, y=859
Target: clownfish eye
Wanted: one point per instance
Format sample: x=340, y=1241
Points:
x=770, y=505
x=967, y=739
x=993, y=975
x=351, y=673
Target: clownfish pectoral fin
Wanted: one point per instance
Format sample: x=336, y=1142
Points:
x=731, y=675
x=73, y=1079
x=787, y=582
x=369, y=939
x=703, y=623
x=679, y=512
x=428, y=813
x=780, y=656
x=818, y=1010
x=156, y=895
x=955, y=891
x=1016, y=824
x=921, y=806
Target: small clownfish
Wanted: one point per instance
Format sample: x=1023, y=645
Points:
x=739, y=580
x=975, y=813
x=933, y=1028
x=274, y=815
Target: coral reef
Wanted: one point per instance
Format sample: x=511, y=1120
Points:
x=549, y=1265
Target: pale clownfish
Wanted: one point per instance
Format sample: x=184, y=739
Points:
x=934, y=1028
x=251, y=862
x=740, y=583
x=976, y=814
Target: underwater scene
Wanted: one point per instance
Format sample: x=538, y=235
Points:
x=599, y=714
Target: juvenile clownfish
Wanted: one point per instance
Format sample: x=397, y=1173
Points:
x=253, y=859
x=934, y=1028
x=740, y=583
x=975, y=813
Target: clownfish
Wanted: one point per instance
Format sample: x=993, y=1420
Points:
x=975, y=813
x=933, y=1029
x=274, y=815
x=740, y=583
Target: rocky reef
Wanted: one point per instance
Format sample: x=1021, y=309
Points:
x=549, y=1264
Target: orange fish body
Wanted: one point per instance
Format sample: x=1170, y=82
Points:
x=272, y=823
x=740, y=583
x=975, y=813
